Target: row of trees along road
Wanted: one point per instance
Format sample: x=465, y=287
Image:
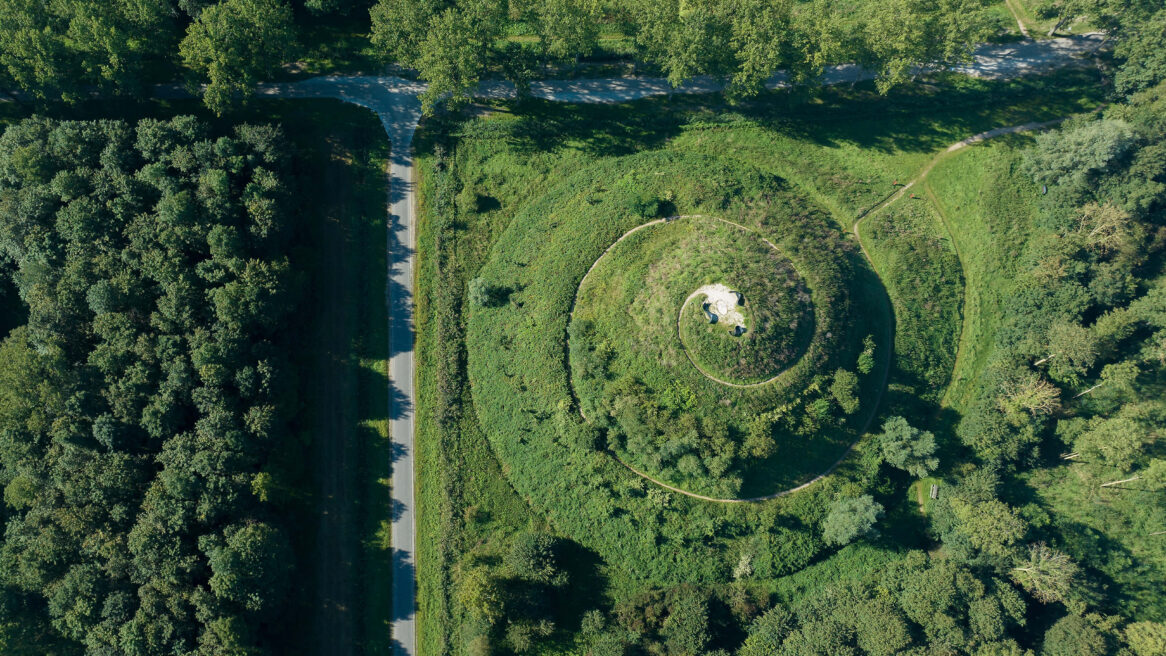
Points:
x=454, y=43
x=68, y=49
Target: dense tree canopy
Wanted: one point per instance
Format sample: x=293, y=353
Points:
x=140, y=402
x=55, y=49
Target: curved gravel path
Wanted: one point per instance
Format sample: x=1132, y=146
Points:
x=395, y=101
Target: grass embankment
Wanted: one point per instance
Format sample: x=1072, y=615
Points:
x=466, y=507
x=922, y=276
x=629, y=370
x=986, y=209
x=847, y=146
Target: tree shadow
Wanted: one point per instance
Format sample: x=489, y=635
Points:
x=404, y=584
x=398, y=290
x=586, y=588
x=596, y=129
x=400, y=403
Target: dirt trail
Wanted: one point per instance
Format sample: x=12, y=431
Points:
x=1016, y=15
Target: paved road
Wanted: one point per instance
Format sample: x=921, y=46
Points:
x=395, y=101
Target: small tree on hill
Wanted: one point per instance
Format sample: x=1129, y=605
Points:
x=866, y=360
x=480, y=293
x=535, y=556
x=480, y=595
x=908, y=448
x=850, y=518
x=844, y=390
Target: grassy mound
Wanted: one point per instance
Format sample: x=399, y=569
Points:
x=519, y=354
x=771, y=321
x=638, y=329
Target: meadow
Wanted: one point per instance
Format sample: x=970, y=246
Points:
x=501, y=192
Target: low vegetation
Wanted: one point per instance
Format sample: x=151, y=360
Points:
x=497, y=234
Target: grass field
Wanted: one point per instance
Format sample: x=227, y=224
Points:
x=840, y=148
x=986, y=210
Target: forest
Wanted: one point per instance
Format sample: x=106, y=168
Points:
x=149, y=386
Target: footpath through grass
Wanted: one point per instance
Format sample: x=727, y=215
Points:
x=986, y=209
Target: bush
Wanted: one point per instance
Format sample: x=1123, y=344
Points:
x=850, y=518
x=479, y=293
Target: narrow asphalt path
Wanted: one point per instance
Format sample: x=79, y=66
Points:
x=395, y=101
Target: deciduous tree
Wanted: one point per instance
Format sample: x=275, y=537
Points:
x=1047, y=574
x=908, y=448
x=234, y=44
x=850, y=518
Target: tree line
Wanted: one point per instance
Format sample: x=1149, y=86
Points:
x=142, y=400
x=72, y=49
x=455, y=43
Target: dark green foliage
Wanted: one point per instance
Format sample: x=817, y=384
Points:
x=685, y=629
x=866, y=359
x=844, y=389
x=147, y=390
x=55, y=49
x=925, y=283
x=1144, y=60
x=1074, y=635
x=768, y=632
x=454, y=44
x=974, y=524
x=535, y=556
x=914, y=605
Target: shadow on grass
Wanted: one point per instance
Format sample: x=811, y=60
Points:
x=913, y=118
